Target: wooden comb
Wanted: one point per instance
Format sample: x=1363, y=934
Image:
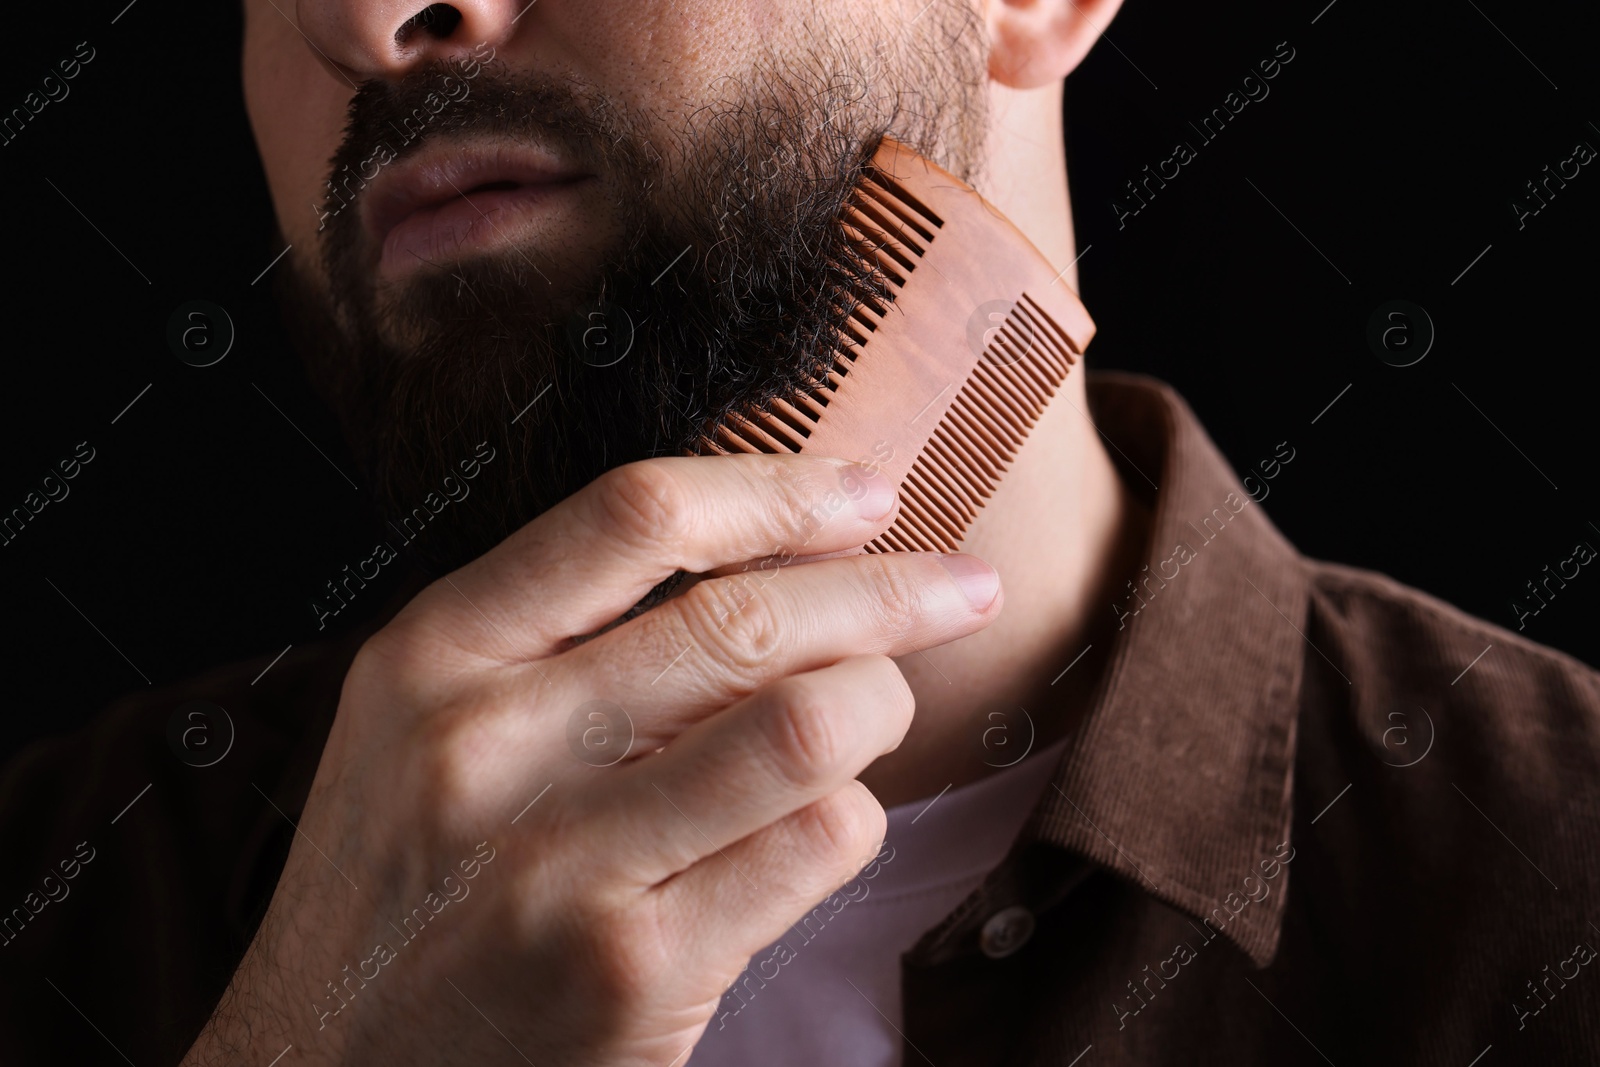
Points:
x=937, y=382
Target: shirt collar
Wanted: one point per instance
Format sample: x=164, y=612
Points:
x=1179, y=777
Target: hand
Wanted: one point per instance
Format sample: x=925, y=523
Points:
x=480, y=879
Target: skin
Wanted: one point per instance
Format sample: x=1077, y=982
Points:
x=617, y=908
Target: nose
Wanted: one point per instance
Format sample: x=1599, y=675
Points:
x=390, y=38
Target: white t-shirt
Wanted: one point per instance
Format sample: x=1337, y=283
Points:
x=829, y=990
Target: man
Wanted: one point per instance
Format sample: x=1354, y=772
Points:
x=1264, y=810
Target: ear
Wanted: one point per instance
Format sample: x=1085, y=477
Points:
x=1035, y=42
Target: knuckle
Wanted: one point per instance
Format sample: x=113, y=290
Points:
x=803, y=733
x=801, y=505
x=898, y=699
x=456, y=744
x=390, y=657
x=629, y=953
x=844, y=825
x=644, y=503
x=395, y=643
x=628, y=960
x=372, y=661
x=895, y=598
x=730, y=618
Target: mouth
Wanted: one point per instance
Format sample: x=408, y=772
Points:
x=454, y=200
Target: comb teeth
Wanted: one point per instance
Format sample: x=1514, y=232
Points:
x=878, y=192
x=890, y=229
x=949, y=464
x=975, y=443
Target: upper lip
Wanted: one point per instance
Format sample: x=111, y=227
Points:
x=444, y=172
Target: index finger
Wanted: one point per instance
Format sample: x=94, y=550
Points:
x=590, y=558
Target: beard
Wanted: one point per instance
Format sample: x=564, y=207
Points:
x=724, y=282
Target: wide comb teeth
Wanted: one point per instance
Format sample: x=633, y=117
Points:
x=900, y=226
x=890, y=230
x=908, y=376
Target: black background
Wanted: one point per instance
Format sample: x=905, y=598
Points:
x=1384, y=160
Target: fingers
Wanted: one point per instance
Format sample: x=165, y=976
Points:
x=744, y=898
x=779, y=750
x=586, y=561
x=727, y=637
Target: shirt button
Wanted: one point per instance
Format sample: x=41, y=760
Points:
x=1005, y=932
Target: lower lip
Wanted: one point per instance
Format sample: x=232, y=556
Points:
x=470, y=224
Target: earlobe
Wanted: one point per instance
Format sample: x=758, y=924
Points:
x=1035, y=42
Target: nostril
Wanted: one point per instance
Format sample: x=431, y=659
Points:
x=438, y=21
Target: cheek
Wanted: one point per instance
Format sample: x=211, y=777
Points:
x=670, y=59
x=297, y=108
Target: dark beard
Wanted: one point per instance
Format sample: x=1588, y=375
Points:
x=727, y=286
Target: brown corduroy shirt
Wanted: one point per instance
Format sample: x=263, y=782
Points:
x=1312, y=816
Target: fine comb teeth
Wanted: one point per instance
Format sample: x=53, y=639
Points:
x=937, y=383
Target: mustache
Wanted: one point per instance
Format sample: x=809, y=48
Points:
x=471, y=94
x=407, y=111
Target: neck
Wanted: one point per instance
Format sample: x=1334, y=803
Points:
x=1062, y=531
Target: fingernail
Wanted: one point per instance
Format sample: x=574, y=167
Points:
x=878, y=499
x=976, y=578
